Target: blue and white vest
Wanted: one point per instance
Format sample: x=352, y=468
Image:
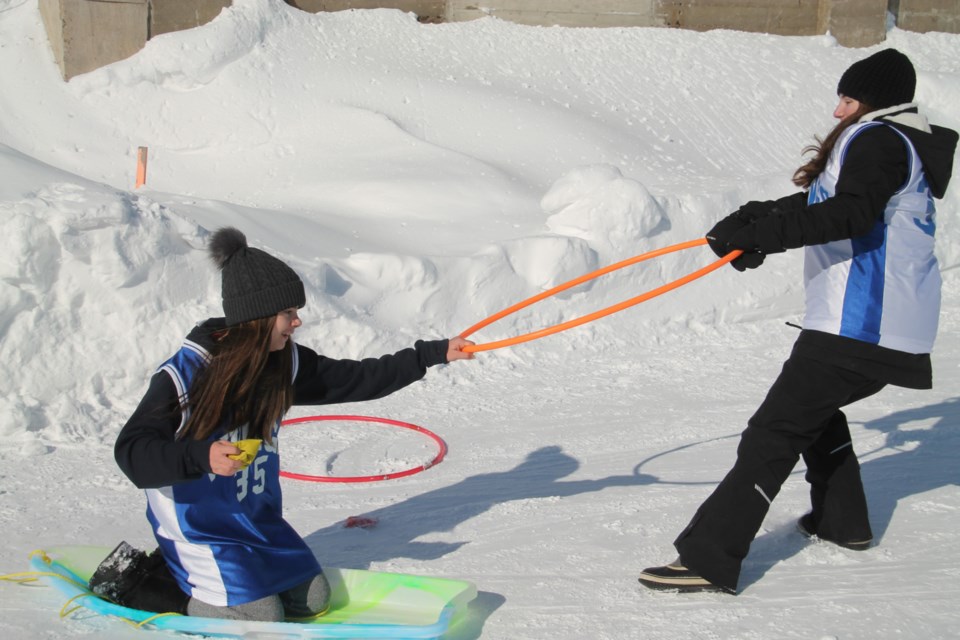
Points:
x=225, y=538
x=882, y=288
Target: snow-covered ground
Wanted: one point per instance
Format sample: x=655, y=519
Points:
x=420, y=178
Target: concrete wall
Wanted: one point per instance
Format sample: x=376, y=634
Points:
x=794, y=17
x=566, y=13
x=855, y=23
x=88, y=34
x=176, y=15
x=425, y=10
x=53, y=24
x=782, y=17
x=929, y=15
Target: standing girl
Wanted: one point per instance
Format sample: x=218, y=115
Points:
x=867, y=220
x=225, y=549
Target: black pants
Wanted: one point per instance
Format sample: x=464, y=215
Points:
x=800, y=416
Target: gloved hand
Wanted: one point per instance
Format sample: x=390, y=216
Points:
x=748, y=261
x=737, y=231
x=754, y=210
x=719, y=236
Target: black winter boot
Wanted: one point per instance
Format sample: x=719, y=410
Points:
x=118, y=573
x=133, y=579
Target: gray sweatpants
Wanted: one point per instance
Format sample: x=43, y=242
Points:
x=302, y=601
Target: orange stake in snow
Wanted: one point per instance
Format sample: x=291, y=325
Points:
x=141, y=166
x=670, y=286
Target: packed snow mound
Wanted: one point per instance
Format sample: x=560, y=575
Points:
x=97, y=268
x=601, y=205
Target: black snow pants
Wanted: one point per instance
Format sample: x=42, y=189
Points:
x=800, y=417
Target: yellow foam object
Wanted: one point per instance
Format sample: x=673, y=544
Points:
x=248, y=450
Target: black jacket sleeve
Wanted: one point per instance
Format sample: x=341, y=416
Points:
x=874, y=168
x=147, y=450
x=322, y=380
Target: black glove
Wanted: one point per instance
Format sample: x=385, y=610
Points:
x=736, y=231
x=745, y=239
x=748, y=261
x=754, y=210
x=720, y=234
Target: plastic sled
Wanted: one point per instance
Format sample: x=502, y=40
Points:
x=364, y=604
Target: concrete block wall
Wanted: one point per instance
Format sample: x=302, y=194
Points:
x=929, y=15
x=167, y=16
x=782, y=17
x=567, y=13
x=88, y=34
x=425, y=10
x=794, y=17
x=855, y=23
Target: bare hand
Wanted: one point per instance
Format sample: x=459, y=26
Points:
x=455, y=349
x=220, y=463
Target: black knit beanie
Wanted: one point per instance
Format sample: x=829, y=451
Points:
x=255, y=284
x=882, y=80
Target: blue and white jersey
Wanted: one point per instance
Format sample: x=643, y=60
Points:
x=225, y=538
x=882, y=288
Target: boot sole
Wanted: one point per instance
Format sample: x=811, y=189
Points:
x=682, y=588
x=679, y=584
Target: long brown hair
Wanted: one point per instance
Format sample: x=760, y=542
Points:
x=805, y=175
x=244, y=383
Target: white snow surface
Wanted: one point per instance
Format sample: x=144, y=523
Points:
x=420, y=178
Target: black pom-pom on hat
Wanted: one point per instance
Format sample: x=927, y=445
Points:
x=885, y=79
x=254, y=283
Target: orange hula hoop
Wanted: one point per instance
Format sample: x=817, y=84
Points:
x=533, y=335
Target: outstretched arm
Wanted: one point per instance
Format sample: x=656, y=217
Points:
x=323, y=380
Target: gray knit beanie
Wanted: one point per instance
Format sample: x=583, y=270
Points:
x=885, y=79
x=255, y=284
